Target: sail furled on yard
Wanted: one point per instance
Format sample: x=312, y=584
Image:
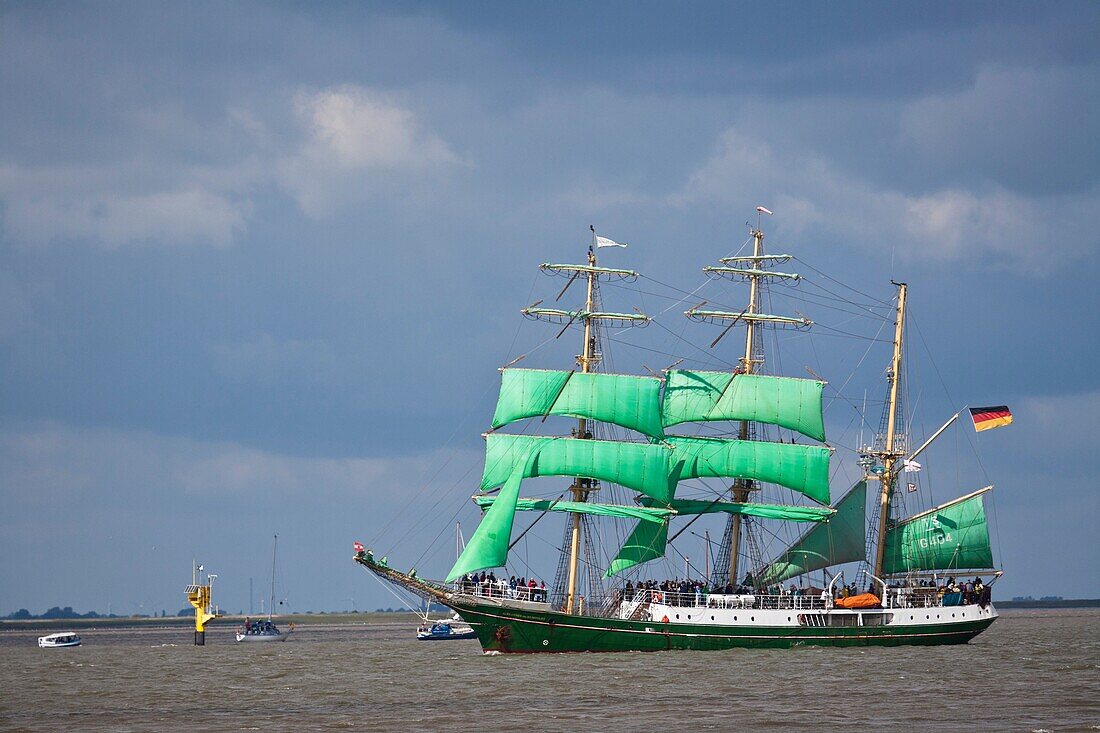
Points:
x=488, y=546
x=803, y=468
x=647, y=514
x=632, y=402
x=953, y=536
x=842, y=539
x=647, y=542
x=700, y=396
x=753, y=509
x=643, y=467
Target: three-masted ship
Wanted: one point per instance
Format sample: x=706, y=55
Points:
x=632, y=437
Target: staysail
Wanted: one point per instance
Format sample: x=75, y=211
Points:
x=949, y=537
x=488, y=546
x=843, y=539
x=698, y=396
x=632, y=402
x=648, y=542
x=803, y=468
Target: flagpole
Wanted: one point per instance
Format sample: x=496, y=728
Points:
x=935, y=435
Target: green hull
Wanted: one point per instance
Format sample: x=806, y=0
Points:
x=518, y=631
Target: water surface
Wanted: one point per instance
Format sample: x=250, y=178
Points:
x=1032, y=670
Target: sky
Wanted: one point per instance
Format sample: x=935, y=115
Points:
x=260, y=262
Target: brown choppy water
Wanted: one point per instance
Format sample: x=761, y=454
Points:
x=1031, y=671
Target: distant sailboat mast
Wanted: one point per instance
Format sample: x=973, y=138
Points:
x=271, y=607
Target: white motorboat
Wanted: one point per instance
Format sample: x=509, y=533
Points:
x=62, y=638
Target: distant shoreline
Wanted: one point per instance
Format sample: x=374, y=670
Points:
x=1063, y=603
x=160, y=622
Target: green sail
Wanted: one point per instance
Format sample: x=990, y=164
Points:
x=804, y=468
x=647, y=542
x=488, y=546
x=583, y=507
x=643, y=467
x=704, y=396
x=843, y=539
x=951, y=537
x=630, y=401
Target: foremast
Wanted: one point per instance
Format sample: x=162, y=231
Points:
x=587, y=360
x=756, y=273
x=582, y=487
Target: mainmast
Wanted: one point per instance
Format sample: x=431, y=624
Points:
x=755, y=273
x=890, y=453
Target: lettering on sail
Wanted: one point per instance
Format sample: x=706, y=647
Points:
x=936, y=535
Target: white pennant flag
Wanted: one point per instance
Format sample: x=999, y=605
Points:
x=911, y=466
x=762, y=210
x=605, y=242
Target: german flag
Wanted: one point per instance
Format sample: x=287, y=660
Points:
x=986, y=418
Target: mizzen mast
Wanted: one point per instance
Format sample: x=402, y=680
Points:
x=890, y=451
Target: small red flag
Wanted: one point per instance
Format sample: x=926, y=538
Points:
x=358, y=546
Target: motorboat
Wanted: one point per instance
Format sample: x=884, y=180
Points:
x=445, y=629
x=62, y=638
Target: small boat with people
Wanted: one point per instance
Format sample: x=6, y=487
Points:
x=263, y=630
x=60, y=639
x=445, y=629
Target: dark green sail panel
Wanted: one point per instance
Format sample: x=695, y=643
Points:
x=643, y=467
x=705, y=396
x=842, y=539
x=803, y=468
x=630, y=401
x=647, y=542
x=951, y=537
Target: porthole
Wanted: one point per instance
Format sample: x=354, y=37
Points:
x=788, y=618
x=677, y=615
x=752, y=618
x=952, y=615
x=712, y=618
x=928, y=617
x=734, y=618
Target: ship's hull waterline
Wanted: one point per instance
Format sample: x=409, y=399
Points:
x=508, y=629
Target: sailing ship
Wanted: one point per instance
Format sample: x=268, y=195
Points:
x=265, y=630
x=909, y=564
